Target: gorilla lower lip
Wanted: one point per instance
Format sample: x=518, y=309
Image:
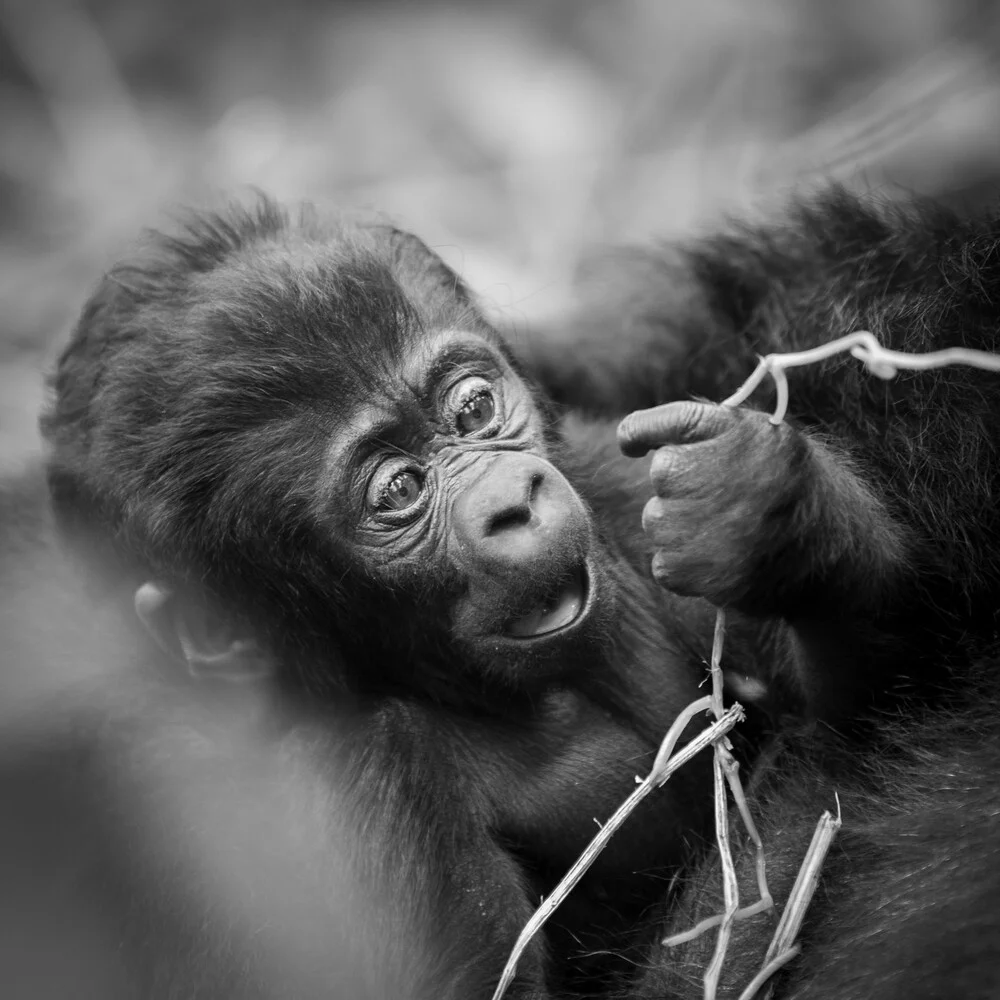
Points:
x=560, y=610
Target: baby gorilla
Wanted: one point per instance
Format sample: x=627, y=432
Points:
x=298, y=447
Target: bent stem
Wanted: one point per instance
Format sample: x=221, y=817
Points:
x=730, y=768
x=805, y=885
x=783, y=947
x=730, y=884
x=863, y=345
x=664, y=765
x=726, y=772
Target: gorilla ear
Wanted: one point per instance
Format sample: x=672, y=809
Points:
x=193, y=632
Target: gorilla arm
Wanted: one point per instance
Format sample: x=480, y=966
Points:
x=849, y=521
x=771, y=523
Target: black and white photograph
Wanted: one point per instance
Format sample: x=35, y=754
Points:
x=499, y=500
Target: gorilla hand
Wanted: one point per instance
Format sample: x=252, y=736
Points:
x=727, y=487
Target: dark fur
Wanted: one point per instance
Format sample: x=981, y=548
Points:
x=195, y=403
x=905, y=904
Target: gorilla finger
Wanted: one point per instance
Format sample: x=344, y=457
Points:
x=662, y=523
x=683, y=575
x=668, y=570
x=686, y=422
x=670, y=471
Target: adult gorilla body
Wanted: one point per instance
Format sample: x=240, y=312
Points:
x=301, y=445
x=906, y=906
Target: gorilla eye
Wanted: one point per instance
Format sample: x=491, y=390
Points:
x=402, y=491
x=476, y=413
x=395, y=491
x=473, y=405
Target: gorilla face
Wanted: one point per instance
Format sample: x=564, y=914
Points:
x=452, y=484
x=327, y=446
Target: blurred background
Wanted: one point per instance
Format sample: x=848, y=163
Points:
x=512, y=136
x=515, y=137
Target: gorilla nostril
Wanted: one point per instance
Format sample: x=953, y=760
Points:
x=517, y=514
x=533, y=487
x=512, y=517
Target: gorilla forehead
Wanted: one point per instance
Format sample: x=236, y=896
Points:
x=314, y=309
x=312, y=323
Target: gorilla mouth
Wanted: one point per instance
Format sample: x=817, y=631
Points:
x=559, y=608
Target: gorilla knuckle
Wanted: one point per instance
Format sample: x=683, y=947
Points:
x=667, y=468
x=657, y=519
x=664, y=568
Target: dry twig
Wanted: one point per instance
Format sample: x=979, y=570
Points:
x=665, y=764
x=726, y=772
x=864, y=346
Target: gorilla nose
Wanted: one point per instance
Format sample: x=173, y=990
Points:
x=521, y=512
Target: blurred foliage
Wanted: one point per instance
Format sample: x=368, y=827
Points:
x=512, y=136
